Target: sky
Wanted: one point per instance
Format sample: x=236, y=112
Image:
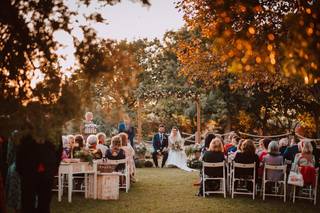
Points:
x=126, y=20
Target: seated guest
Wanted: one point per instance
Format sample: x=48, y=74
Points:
x=246, y=156
x=316, y=153
x=92, y=142
x=240, y=145
x=273, y=158
x=129, y=153
x=71, y=143
x=228, y=142
x=264, y=143
x=305, y=157
x=234, y=144
x=66, y=150
x=283, y=144
x=101, y=143
x=207, y=141
x=215, y=154
x=78, y=144
x=305, y=162
x=291, y=150
x=115, y=152
x=231, y=156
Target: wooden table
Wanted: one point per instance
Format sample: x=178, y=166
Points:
x=70, y=169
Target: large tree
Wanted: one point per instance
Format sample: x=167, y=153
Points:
x=29, y=65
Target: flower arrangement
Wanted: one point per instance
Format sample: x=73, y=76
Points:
x=193, y=149
x=141, y=149
x=85, y=155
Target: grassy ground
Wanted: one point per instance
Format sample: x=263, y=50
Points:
x=171, y=190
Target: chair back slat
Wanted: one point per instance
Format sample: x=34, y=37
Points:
x=276, y=167
x=116, y=162
x=244, y=165
x=213, y=165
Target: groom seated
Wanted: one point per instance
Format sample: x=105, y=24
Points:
x=160, y=146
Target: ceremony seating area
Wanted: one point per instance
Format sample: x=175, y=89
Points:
x=268, y=174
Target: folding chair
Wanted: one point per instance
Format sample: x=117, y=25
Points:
x=248, y=179
x=221, y=179
x=282, y=181
x=124, y=173
x=308, y=192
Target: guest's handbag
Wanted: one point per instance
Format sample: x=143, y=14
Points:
x=295, y=178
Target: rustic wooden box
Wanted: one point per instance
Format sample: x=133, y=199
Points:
x=107, y=186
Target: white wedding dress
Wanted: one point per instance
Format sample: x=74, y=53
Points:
x=177, y=158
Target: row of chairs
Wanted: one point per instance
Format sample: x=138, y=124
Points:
x=230, y=180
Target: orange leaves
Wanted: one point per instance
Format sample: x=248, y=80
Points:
x=308, y=11
x=309, y=31
x=251, y=30
x=271, y=37
x=258, y=60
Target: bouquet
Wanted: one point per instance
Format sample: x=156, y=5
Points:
x=176, y=146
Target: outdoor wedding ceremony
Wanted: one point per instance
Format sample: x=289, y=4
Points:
x=159, y=106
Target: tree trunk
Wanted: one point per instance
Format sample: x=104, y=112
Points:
x=198, y=134
x=139, y=135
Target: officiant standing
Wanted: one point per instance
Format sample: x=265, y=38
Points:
x=126, y=127
x=160, y=146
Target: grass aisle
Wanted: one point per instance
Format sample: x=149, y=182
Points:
x=171, y=190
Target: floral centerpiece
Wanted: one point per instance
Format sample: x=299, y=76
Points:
x=193, y=150
x=85, y=156
x=141, y=150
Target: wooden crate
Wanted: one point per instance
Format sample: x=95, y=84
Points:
x=107, y=186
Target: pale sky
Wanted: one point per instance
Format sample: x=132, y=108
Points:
x=129, y=20
x=126, y=20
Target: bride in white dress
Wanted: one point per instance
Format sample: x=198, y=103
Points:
x=177, y=157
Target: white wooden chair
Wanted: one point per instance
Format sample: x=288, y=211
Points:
x=282, y=181
x=308, y=192
x=249, y=179
x=124, y=173
x=222, y=179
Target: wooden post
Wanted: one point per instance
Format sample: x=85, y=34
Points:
x=139, y=135
x=198, y=135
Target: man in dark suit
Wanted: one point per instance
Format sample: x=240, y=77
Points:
x=160, y=146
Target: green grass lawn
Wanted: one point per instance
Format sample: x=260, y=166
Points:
x=172, y=190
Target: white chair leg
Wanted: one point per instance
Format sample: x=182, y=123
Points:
x=224, y=188
x=284, y=191
x=263, y=189
x=254, y=189
x=203, y=187
x=60, y=187
x=232, y=191
x=294, y=194
x=85, y=185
